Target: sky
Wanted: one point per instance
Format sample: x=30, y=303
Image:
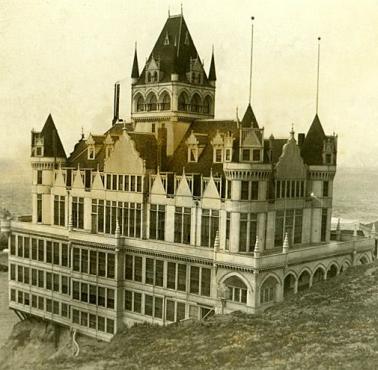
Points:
x=63, y=57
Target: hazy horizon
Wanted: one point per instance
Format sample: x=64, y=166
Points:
x=64, y=57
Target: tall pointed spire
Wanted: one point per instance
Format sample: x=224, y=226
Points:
x=317, y=78
x=250, y=66
x=212, y=73
x=135, y=70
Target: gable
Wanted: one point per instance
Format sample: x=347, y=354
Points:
x=290, y=164
x=124, y=158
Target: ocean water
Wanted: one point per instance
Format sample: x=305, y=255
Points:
x=355, y=194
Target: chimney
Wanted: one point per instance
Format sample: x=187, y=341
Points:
x=162, y=147
x=301, y=138
x=116, y=102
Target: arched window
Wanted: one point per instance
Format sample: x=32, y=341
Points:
x=195, y=103
x=236, y=289
x=268, y=290
x=207, y=106
x=151, y=102
x=183, y=102
x=139, y=103
x=165, y=101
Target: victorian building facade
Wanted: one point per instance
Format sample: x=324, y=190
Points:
x=174, y=215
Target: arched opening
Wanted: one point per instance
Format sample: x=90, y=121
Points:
x=332, y=271
x=139, y=102
x=207, y=105
x=165, y=101
x=268, y=290
x=344, y=266
x=318, y=276
x=236, y=289
x=363, y=260
x=289, y=285
x=195, y=103
x=183, y=100
x=151, y=102
x=304, y=281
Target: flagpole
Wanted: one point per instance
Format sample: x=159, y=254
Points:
x=251, y=62
x=317, y=81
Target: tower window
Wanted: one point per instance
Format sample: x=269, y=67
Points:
x=218, y=156
x=39, y=177
x=228, y=155
x=91, y=152
x=328, y=158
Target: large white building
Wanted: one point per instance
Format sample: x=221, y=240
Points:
x=175, y=214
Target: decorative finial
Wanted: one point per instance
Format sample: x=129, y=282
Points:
x=285, y=247
x=251, y=62
x=317, y=79
x=117, y=230
x=182, y=10
x=256, y=250
x=292, y=132
x=169, y=11
x=82, y=133
x=183, y=171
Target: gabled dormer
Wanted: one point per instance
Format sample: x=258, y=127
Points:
x=109, y=145
x=330, y=150
x=153, y=73
x=196, y=144
x=91, y=147
x=251, y=141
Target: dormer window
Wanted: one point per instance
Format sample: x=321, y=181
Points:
x=166, y=40
x=256, y=155
x=186, y=38
x=218, y=155
x=193, y=154
x=91, y=152
x=39, y=151
x=246, y=154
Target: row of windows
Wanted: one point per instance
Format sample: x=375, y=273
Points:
x=106, y=213
x=40, y=303
x=130, y=183
x=179, y=276
x=92, y=321
x=249, y=190
x=290, y=189
x=157, y=307
x=41, y=250
x=93, y=294
x=93, y=262
x=41, y=279
x=59, y=210
x=288, y=221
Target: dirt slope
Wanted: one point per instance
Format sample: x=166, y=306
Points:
x=332, y=326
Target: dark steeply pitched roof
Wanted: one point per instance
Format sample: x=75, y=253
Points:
x=273, y=147
x=135, y=70
x=205, y=161
x=52, y=145
x=312, y=147
x=175, y=56
x=212, y=73
x=249, y=119
x=146, y=145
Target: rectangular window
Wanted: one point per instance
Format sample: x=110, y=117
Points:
x=180, y=311
x=75, y=316
x=20, y=297
x=84, y=261
x=137, y=302
x=48, y=251
x=170, y=310
x=110, y=298
x=64, y=308
x=56, y=282
x=40, y=279
x=101, y=323
x=34, y=301
x=39, y=208
x=64, y=255
x=78, y=212
x=149, y=271
x=228, y=230
x=323, y=233
x=34, y=277
x=148, y=304
x=48, y=305
x=26, y=247
x=110, y=326
x=59, y=210
x=101, y=263
x=128, y=300
x=205, y=281
x=41, y=303
x=159, y=272
x=92, y=321
x=247, y=232
x=157, y=222
x=218, y=155
x=288, y=221
x=34, y=249
x=39, y=177
x=256, y=155
x=56, y=253
x=158, y=308
x=209, y=227
x=128, y=267
x=20, y=246
x=325, y=188
x=13, y=272
x=171, y=275
x=13, y=246
x=76, y=259
x=92, y=294
x=13, y=295
x=182, y=225
x=181, y=280
x=26, y=275
x=76, y=290
x=138, y=268
x=56, y=308
x=101, y=296
x=194, y=279
x=84, y=292
x=41, y=250
x=245, y=154
x=93, y=262
x=20, y=274
x=65, y=289
x=111, y=265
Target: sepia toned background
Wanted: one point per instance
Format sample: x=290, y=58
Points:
x=64, y=56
